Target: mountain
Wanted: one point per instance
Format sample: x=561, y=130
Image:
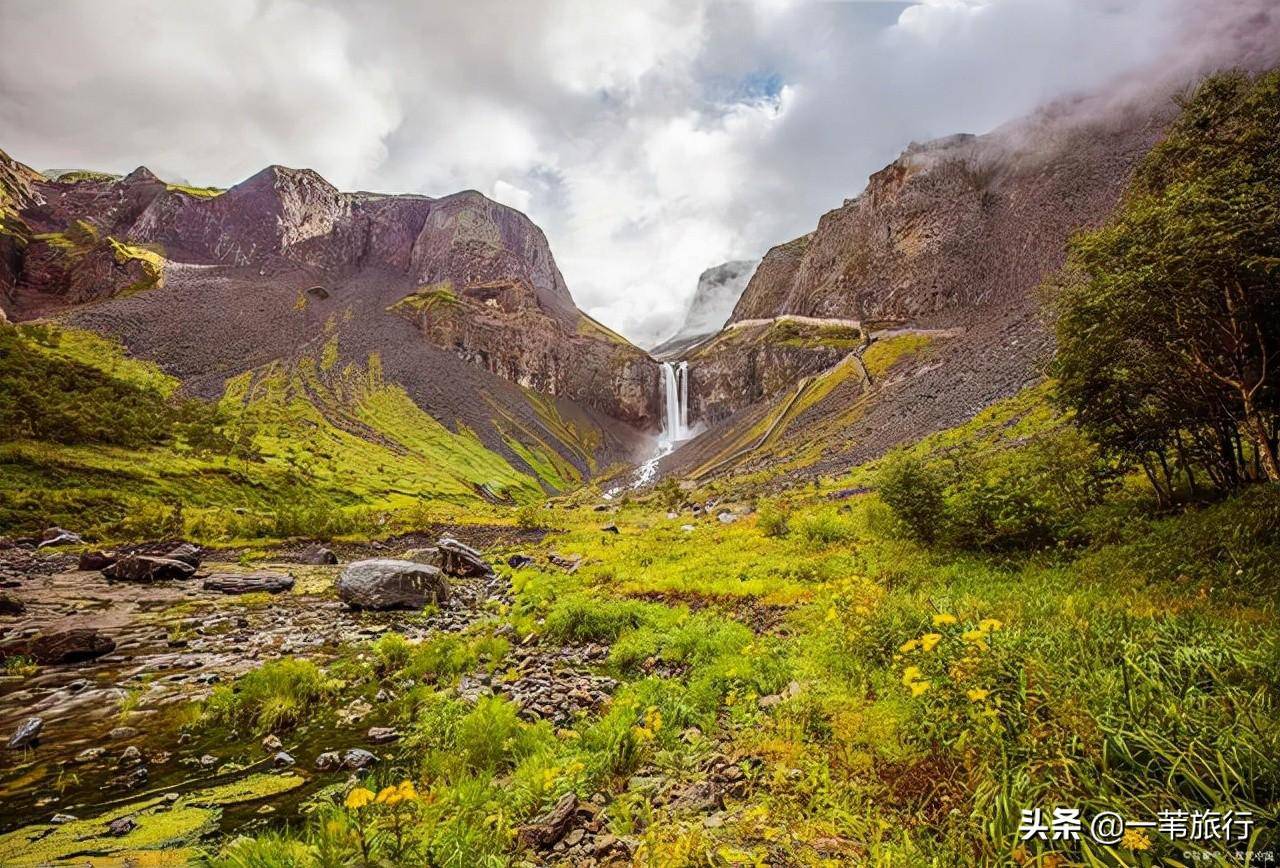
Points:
x=719, y=288
x=456, y=300
x=934, y=268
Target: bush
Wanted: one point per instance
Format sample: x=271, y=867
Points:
x=583, y=618
x=825, y=527
x=774, y=518
x=271, y=698
x=914, y=492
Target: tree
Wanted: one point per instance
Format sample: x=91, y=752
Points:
x=1168, y=316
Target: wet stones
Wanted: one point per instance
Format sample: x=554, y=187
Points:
x=248, y=583
x=461, y=560
x=89, y=754
x=382, y=734
x=26, y=735
x=71, y=645
x=130, y=780
x=352, y=759
x=383, y=583
x=148, y=569
x=282, y=760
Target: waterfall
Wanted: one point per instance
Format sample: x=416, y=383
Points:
x=675, y=391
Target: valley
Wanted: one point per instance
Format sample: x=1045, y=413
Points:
x=333, y=532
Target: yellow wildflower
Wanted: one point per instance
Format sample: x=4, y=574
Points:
x=388, y=796
x=910, y=674
x=929, y=641
x=832, y=614
x=909, y=646
x=943, y=620
x=1135, y=839
x=977, y=694
x=918, y=687
x=989, y=625
x=408, y=792
x=358, y=798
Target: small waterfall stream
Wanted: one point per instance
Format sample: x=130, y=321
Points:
x=675, y=390
x=675, y=424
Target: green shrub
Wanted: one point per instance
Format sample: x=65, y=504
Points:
x=825, y=527
x=580, y=617
x=774, y=518
x=913, y=491
x=271, y=698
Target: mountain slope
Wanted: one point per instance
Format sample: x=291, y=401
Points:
x=719, y=289
x=283, y=268
x=942, y=254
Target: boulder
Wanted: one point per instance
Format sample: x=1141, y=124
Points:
x=383, y=583
x=147, y=569
x=430, y=556
x=121, y=826
x=70, y=645
x=282, y=760
x=547, y=830
x=461, y=560
x=96, y=560
x=248, y=583
x=518, y=561
x=189, y=554
x=382, y=734
x=317, y=556
x=11, y=605
x=56, y=536
x=27, y=733
x=352, y=759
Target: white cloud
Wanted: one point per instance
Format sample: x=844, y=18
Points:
x=649, y=140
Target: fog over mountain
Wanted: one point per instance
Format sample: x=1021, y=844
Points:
x=649, y=141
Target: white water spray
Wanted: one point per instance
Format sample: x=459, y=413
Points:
x=675, y=390
x=675, y=425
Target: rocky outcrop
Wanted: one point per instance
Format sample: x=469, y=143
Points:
x=249, y=583
x=147, y=569
x=759, y=360
x=500, y=327
x=383, y=583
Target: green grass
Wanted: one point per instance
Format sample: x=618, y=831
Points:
x=197, y=192
x=274, y=697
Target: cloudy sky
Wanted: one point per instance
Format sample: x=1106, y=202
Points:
x=649, y=139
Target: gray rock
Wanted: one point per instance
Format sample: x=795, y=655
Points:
x=130, y=756
x=89, y=754
x=96, y=560
x=59, y=819
x=249, y=583
x=272, y=742
x=56, y=536
x=518, y=561
x=122, y=732
x=382, y=734
x=121, y=827
x=282, y=760
x=430, y=556
x=382, y=583
x=610, y=528
x=189, y=554
x=317, y=556
x=352, y=759
x=27, y=733
x=146, y=569
x=461, y=560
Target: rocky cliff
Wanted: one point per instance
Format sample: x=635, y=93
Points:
x=939, y=260
x=212, y=284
